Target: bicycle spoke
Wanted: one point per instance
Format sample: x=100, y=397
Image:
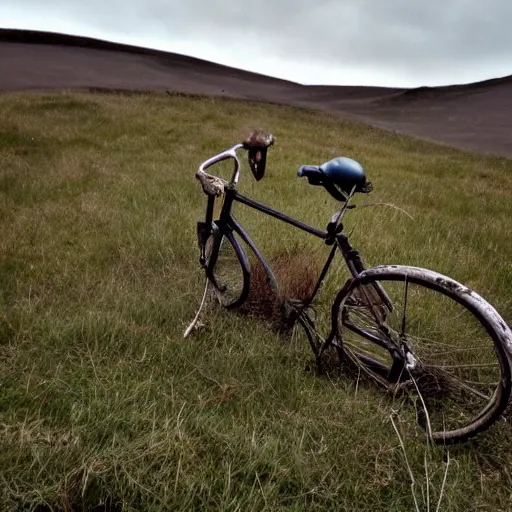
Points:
x=227, y=275
x=404, y=309
x=456, y=351
x=453, y=381
x=456, y=368
x=487, y=365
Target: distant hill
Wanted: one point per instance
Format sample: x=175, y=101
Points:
x=473, y=116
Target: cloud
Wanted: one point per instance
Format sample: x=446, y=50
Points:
x=396, y=42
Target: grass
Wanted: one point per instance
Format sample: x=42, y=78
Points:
x=103, y=405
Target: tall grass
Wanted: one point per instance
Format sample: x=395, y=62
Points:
x=103, y=406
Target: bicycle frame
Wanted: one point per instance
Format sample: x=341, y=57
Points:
x=227, y=225
x=363, y=288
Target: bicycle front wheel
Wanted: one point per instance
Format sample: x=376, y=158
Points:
x=454, y=346
x=227, y=269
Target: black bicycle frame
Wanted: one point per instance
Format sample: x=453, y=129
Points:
x=333, y=235
x=227, y=224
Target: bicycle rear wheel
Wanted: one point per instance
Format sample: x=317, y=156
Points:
x=227, y=269
x=454, y=347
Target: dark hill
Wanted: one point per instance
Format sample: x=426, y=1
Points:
x=473, y=116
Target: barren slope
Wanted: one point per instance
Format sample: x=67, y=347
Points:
x=474, y=116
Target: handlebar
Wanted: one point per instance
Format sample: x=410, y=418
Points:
x=256, y=144
x=213, y=185
x=225, y=155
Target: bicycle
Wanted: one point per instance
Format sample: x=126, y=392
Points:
x=458, y=370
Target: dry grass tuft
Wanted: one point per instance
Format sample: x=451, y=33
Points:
x=296, y=273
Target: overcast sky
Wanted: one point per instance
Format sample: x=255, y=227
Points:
x=346, y=42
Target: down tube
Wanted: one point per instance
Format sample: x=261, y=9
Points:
x=247, y=239
x=246, y=269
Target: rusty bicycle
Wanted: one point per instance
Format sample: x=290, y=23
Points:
x=409, y=329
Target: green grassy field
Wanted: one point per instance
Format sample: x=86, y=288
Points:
x=104, y=406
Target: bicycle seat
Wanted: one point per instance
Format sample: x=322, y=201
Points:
x=339, y=173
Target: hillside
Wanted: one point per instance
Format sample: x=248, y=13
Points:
x=472, y=116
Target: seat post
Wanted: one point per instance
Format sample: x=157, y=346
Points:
x=332, y=226
x=351, y=256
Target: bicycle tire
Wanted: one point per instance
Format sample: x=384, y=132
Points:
x=460, y=325
x=227, y=269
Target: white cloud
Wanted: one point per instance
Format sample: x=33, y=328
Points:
x=364, y=42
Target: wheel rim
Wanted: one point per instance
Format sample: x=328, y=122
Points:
x=456, y=380
x=228, y=277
